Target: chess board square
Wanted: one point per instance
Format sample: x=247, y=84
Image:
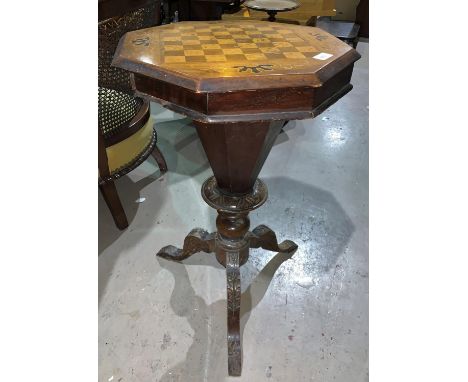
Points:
x=229, y=46
x=171, y=38
x=173, y=53
x=171, y=48
x=265, y=45
x=257, y=40
x=247, y=45
x=214, y=52
x=282, y=44
x=210, y=41
x=203, y=30
x=194, y=52
x=242, y=40
x=195, y=59
x=273, y=56
x=241, y=37
x=294, y=55
x=304, y=49
x=255, y=56
x=235, y=57
x=174, y=59
x=211, y=46
x=204, y=38
x=222, y=33
x=192, y=42
x=251, y=50
x=234, y=29
x=216, y=58
x=168, y=43
x=232, y=51
x=270, y=50
x=290, y=49
x=226, y=41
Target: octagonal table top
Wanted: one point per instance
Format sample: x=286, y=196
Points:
x=218, y=56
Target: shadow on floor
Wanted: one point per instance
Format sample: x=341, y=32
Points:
x=311, y=217
x=207, y=346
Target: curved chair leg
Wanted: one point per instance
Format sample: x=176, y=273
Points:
x=157, y=155
x=109, y=192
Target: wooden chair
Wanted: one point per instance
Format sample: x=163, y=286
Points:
x=126, y=133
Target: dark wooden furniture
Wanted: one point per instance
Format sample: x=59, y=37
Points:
x=126, y=138
x=271, y=7
x=238, y=81
x=346, y=31
x=194, y=10
x=362, y=18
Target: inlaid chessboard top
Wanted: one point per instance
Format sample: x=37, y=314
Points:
x=234, y=55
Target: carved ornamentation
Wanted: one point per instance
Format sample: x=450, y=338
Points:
x=216, y=199
x=264, y=237
x=320, y=37
x=231, y=244
x=254, y=69
x=141, y=41
x=233, y=313
x=198, y=240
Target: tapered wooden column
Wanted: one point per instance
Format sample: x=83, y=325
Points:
x=237, y=151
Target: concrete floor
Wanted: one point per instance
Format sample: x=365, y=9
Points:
x=304, y=318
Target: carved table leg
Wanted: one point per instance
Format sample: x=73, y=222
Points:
x=198, y=240
x=232, y=250
x=264, y=237
x=231, y=244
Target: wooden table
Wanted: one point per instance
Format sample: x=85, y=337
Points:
x=238, y=81
x=271, y=7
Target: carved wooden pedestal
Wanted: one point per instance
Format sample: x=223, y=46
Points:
x=231, y=245
x=238, y=81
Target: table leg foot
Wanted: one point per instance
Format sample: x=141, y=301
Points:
x=264, y=237
x=198, y=240
x=233, y=313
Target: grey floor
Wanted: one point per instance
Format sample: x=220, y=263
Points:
x=304, y=318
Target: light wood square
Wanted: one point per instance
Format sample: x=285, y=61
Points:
x=226, y=41
x=255, y=56
x=174, y=59
x=171, y=38
x=232, y=51
x=172, y=48
x=293, y=55
x=211, y=46
x=247, y=45
x=215, y=58
x=194, y=52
